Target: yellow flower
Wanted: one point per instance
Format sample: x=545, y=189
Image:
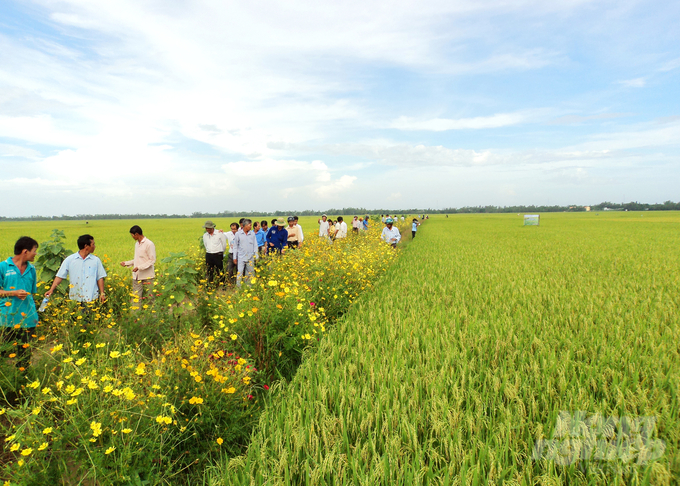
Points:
x=47, y=430
x=81, y=361
x=100, y=345
x=162, y=419
x=27, y=452
x=110, y=450
x=43, y=446
x=46, y=391
x=108, y=388
x=72, y=401
x=10, y=438
x=2, y=411
x=114, y=354
x=67, y=360
x=234, y=337
x=34, y=384
x=35, y=411
x=229, y=390
x=96, y=429
x=219, y=440
x=14, y=447
x=196, y=400
x=126, y=431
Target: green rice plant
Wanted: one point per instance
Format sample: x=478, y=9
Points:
x=471, y=350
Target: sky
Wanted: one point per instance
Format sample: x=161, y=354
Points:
x=174, y=106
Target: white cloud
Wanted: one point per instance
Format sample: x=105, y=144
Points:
x=476, y=123
x=670, y=65
x=634, y=83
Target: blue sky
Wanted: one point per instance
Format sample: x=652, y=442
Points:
x=176, y=107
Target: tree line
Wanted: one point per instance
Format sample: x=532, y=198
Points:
x=603, y=206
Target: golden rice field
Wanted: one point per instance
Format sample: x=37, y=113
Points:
x=483, y=352
x=484, y=339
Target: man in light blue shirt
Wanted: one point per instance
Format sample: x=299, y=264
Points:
x=245, y=251
x=85, y=273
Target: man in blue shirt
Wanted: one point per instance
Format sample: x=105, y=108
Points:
x=414, y=227
x=85, y=273
x=277, y=238
x=18, y=281
x=261, y=236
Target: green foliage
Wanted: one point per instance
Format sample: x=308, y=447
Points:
x=50, y=255
x=179, y=281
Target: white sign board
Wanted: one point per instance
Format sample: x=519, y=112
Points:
x=532, y=219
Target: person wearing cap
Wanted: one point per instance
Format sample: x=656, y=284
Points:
x=390, y=233
x=294, y=240
x=277, y=238
x=323, y=227
x=245, y=251
x=414, y=227
x=215, y=243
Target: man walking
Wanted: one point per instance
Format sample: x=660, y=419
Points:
x=85, y=273
x=414, y=227
x=245, y=252
x=18, y=281
x=215, y=244
x=143, y=272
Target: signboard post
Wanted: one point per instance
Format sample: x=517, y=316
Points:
x=532, y=219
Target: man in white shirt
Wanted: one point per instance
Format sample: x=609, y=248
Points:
x=297, y=225
x=356, y=224
x=143, y=273
x=390, y=234
x=323, y=226
x=215, y=243
x=231, y=266
x=342, y=229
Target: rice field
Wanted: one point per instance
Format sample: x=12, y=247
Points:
x=481, y=353
x=471, y=361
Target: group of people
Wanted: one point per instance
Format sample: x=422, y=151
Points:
x=244, y=243
x=337, y=230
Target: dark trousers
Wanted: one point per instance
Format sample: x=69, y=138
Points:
x=231, y=269
x=214, y=263
x=413, y=234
